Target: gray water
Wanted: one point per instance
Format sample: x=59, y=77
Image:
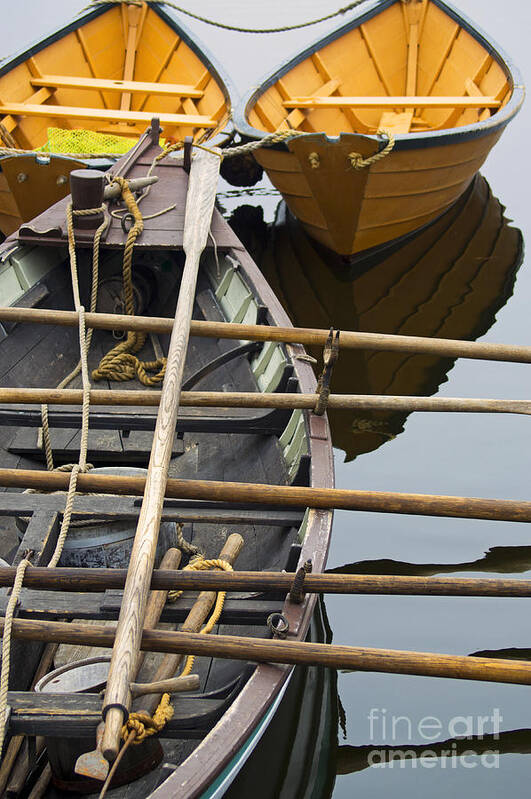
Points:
x=474, y=455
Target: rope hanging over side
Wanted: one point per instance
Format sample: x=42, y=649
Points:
x=121, y=363
x=226, y=26
x=85, y=335
x=266, y=141
x=358, y=162
x=6, y=645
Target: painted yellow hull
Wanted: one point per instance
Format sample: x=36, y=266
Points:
x=413, y=71
x=349, y=212
x=92, y=88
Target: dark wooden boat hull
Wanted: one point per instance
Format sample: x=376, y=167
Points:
x=239, y=445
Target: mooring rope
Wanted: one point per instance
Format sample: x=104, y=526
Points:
x=226, y=26
x=6, y=645
x=84, y=344
x=75, y=469
x=357, y=161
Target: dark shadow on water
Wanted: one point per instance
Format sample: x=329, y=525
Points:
x=500, y=560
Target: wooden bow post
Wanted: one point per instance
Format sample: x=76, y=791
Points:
x=199, y=208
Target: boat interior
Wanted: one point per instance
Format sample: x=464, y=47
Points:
x=408, y=68
x=238, y=444
x=108, y=73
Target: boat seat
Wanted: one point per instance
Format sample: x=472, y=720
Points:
x=78, y=715
x=104, y=115
x=118, y=86
x=393, y=102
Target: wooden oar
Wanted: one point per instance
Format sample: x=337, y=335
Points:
x=198, y=614
x=508, y=510
x=259, y=650
x=446, y=348
x=250, y=399
x=78, y=579
x=93, y=764
x=199, y=207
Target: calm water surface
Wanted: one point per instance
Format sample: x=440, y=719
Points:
x=475, y=455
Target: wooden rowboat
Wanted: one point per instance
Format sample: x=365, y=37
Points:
x=213, y=731
x=449, y=280
x=91, y=88
x=414, y=68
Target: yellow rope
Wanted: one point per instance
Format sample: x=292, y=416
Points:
x=121, y=363
x=142, y=724
x=145, y=725
x=200, y=564
x=358, y=162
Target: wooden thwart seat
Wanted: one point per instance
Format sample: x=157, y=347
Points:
x=392, y=102
x=103, y=114
x=119, y=86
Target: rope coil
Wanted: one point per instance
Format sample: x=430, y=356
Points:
x=121, y=363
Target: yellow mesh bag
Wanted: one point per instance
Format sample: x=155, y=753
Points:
x=86, y=141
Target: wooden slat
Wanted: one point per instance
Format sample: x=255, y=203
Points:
x=90, y=61
x=133, y=19
x=296, y=118
x=104, y=114
x=352, y=118
x=392, y=102
x=473, y=90
x=412, y=59
x=39, y=96
x=118, y=86
x=396, y=123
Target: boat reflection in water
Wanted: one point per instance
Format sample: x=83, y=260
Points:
x=296, y=756
x=448, y=281
x=511, y=742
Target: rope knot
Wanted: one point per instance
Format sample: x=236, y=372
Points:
x=143, y=725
